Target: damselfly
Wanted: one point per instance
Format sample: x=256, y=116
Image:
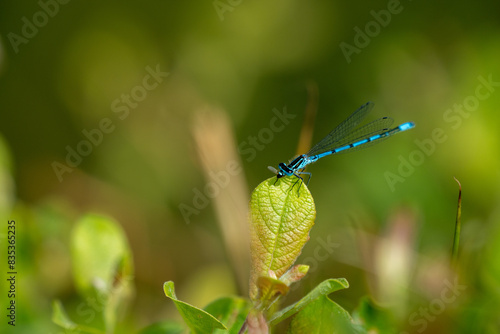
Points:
x=344, y=138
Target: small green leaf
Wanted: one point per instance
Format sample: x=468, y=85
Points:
x=296, y=273
x=198, y=320
x=282, y=213
x=323, y=289
x=270, y=289
x=231, y=311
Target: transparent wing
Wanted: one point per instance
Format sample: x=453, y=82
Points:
x=373, y=128
x=376, y=127
x=342, y=130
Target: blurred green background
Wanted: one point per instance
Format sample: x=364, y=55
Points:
x=173, y=93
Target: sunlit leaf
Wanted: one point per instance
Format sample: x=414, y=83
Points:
x=282, y=214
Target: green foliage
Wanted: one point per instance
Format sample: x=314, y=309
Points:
x=102, y=268
x=282, y=214
x=322, y=315
x=323, y=289
x=198, y=320
x=100, y=252
x=230, y=311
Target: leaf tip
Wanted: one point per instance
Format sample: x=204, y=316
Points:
x=169, y=289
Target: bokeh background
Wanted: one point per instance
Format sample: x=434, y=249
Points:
x=224, y=71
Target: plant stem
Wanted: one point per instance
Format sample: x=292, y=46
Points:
x=456, y=238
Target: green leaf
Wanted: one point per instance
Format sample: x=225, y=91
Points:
x=282, y=213
x=373, y=318
x=231, y=311
x=323, y=316
x=100, y=251
x=198, y=320
x=102, y=264
x=323, y=289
